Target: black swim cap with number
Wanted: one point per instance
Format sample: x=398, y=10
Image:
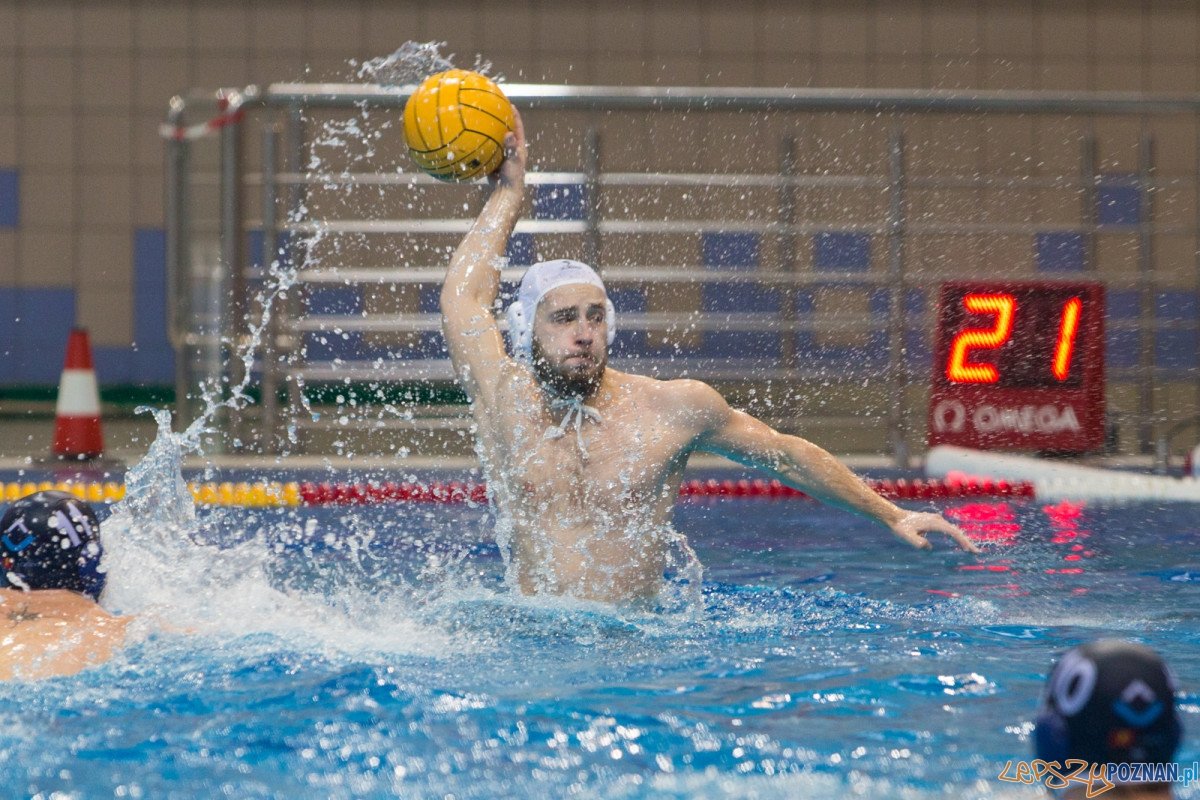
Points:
x=51, y=540
x=1109, y=702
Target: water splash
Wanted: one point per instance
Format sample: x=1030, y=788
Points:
x=411, y=63
x=214, y=571
x=180, y=571
x=151, y=552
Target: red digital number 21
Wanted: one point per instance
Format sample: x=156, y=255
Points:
x=1004, y=307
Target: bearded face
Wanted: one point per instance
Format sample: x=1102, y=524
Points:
x=570, y=340
x=578, y=375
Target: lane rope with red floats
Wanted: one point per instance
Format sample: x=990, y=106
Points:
x=276, y=494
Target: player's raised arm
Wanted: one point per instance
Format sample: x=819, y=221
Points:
x=739, y=436
x=473, y=278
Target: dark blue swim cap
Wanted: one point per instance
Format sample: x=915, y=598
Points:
x=1108, y=702
x=51, y=540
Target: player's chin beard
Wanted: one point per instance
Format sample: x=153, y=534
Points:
x=565, y=381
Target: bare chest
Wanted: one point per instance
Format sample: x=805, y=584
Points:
x=625, y=457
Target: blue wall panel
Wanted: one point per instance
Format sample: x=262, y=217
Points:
x=729, y=250
x=740, y=298
x=1118, y=202
x=1121, y=304
x=1177, y=348
x=628, y=300
x=153, y=358
x=628, y=344
x=742, y=344
x=521, y=250
x=254, y=247
x=1122, y=348
x=328, y=345
x=10, y=198
x=430, y=344
x=8, y=332
x=114, y=365
x=335, y=300
x=915, y=301
x=567, y=201
x=842, y=250
x=430, y=299
x=1060, y=251
x=918, y=355
x=41, y=323
x=874, y=356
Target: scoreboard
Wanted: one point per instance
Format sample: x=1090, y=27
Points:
x=1019, y=365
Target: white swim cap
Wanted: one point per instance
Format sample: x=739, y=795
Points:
x=537, y=281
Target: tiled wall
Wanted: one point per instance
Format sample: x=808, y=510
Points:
x=84, y=85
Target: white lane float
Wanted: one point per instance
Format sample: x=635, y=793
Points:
x=1057, y=480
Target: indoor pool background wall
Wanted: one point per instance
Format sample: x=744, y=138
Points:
x=798, y=274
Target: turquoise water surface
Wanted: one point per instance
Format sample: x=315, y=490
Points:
x=373, y=652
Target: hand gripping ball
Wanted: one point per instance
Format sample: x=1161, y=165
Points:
x=455, y=124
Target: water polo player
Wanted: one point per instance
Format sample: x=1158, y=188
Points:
x=584, y=462
x=50, y=582
x=1111, y=704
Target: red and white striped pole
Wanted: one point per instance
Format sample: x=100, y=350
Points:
x=77, y=434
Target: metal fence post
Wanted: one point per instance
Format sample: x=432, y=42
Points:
x=271, y=268
x=179, y=305
x=1196, y=277
x=1088, y=177
x=897, y=322
x=297, y=255
x=591, y=169
x=229, y=303
x=1147, y=314
x=787, y=243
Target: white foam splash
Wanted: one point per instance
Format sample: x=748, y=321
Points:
x=411, y=63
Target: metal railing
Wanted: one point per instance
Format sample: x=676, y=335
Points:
x=213, y=278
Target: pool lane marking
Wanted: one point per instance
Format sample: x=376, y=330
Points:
x=276, y=494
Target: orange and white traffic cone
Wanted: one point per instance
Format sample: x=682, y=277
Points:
x=77, y=435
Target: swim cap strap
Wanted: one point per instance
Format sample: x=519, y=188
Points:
x=578, y=410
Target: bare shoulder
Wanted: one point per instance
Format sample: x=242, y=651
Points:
x=56, y=604
x=693, y=395
x=685, y=399
x=49, y=633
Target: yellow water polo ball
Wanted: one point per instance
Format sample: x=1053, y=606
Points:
x=454, y=124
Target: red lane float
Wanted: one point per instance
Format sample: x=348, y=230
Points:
x=324, y=494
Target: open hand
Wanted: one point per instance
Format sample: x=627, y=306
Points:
x=910, y=528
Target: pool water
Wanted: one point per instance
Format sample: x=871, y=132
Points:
x=373, y=652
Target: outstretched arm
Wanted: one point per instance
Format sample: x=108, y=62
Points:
x=742, y=438
x=473, y=278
